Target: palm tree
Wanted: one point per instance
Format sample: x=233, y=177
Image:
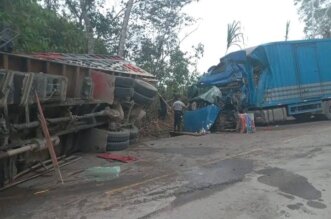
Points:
x=234, y=35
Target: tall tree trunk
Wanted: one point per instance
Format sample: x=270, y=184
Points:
x=121, y=45
x=88, y=27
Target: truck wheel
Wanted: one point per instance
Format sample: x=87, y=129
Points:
x=124, y=93
x=119, y=136
x=141, y=99
x=145, y=88
x=124, y=81
x=117, y=146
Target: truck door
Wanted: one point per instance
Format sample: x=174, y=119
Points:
x=307, y=71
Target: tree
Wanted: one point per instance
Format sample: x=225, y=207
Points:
x=83, y=10
x=316, y=14
x=41, y=29
x=51, y=5
x=86, y=6
x=153, y=42
x=101, y=28
x=234, y=35
x=124, y=28
x=149, y=33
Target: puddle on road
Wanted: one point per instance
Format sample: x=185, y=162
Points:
x=289, y=183
x=295, y=206
x=293, y=184
x=204, y=181
x=315, y=204
x=192, y=151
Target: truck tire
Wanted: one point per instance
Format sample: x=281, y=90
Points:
x=145, y=88
x=124, y=81
x=118, y=146
x=141, y=99
x=119, y=136
x=124, y=93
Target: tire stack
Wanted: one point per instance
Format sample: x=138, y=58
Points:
x=124, y=88
x=144, y=93
x=141, y=92
x=117, y=141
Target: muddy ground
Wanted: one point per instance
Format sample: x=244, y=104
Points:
x=279, y=172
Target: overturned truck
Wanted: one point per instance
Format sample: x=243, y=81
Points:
x=77, y=93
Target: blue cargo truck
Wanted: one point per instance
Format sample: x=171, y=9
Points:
x=292, y=75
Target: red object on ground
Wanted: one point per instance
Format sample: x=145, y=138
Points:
x=117, y=157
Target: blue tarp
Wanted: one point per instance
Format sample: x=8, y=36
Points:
x=201, y=119
x=229, y=70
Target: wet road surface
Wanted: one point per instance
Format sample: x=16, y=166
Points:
x=282, y=172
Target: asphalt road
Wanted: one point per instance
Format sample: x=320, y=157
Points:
x=279, y=172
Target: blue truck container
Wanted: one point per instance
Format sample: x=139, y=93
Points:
x=291, y=74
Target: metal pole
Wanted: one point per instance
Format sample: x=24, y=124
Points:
x=60, y=119
x=28, y=147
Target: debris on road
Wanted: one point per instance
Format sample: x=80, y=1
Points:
x=117, y=157
x=64, y=162
x=103, y=173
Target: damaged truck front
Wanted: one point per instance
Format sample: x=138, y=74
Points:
x=293, y=77
x=79, y=93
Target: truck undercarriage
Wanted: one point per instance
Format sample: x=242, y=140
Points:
x=75, y=96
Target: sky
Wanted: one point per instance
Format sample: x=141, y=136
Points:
x=262, y=21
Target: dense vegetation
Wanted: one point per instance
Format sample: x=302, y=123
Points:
x=148, y=29
x=316, y=14
x=88, y=26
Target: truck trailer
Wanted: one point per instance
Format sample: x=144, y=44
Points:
x=78, y=93
x=291, y=76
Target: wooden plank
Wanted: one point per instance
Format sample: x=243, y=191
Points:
x=48, y=139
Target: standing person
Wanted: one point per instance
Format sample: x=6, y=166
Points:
x=178, y=113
